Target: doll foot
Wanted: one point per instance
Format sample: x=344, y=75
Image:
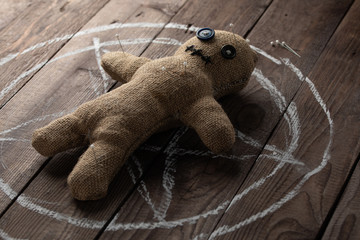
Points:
x=86, y=187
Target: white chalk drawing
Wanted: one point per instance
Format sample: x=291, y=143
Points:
x=173, y=150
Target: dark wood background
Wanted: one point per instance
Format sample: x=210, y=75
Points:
x=292, y=174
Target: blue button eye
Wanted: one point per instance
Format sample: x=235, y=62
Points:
x=205, y=34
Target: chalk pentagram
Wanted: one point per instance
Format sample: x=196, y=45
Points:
x=283, y=157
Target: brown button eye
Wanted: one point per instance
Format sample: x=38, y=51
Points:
x=228, y=51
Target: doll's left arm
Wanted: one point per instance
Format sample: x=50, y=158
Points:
x=211, y=123
x=121, y=66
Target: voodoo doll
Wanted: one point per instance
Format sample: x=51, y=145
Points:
x=155, y=93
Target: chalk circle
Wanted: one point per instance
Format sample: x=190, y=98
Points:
x=290, y=115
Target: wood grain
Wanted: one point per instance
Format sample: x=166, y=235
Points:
x=66, y=90
x=11, y=9
x=40, y=22
x=53, y=91
x=344, y=222
x=200, y=180
x=173, y=187
x=294, y=202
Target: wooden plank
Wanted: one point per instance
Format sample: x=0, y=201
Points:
x=54, y=91
x=282, y=200
x=243, y=14
x=189, y=203
x=11, y=9
x=47, y=98
x=40, y=23
x=46, y=204
x=343, y=224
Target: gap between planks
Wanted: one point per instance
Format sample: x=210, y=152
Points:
x=340, y=195
x=341, y=192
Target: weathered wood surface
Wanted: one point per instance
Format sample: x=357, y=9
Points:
x=344, y=223
x=60, y=91
x=273, y=184
x=324, y=139
x=41, y=23
x=195, y=184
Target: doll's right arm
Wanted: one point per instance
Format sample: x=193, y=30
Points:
x=121, y=66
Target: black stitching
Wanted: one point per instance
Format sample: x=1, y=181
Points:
x=189, y=48
x=198, y=52
x=206, y=59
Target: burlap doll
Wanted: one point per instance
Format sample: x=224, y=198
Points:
x=156, y=92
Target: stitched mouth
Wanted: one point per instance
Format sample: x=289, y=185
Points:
x=198, y=52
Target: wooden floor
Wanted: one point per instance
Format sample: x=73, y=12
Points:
x=292, y=174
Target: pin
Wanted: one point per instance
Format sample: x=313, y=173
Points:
x=165, y=70
x=284, y=45
x=231, y=25
x=117, y=36
x=290, y=49
x=185, y=64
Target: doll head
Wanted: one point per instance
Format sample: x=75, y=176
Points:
x=226, y=58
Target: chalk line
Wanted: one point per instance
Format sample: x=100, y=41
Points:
x=281, y=103
x=292, y=119
x=151, y=148
x=14, y=83
x=252, y=142
x=265, y=54
x=8, y=58
x=13, y=140
x=182, y=27
x=113, y=226
x=290, y=114
x=267, y=85
x=3, y=164
x=292, y=67
x=168, y=181
x=142, y=189
x=5, y=236
x=23, y=201
x=42, y=118
x=105, y=78
x=199, y=153
x=290, y=195
x=98, y=29
x=94, y=84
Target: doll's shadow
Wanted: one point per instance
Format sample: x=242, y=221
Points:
x=62, y=163
x=245, y=112
x=192, y=169
x=60, y=166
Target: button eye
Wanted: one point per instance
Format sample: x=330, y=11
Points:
x=228, y=51
x=205, y=34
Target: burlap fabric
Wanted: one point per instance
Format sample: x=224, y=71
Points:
x=155, y=94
